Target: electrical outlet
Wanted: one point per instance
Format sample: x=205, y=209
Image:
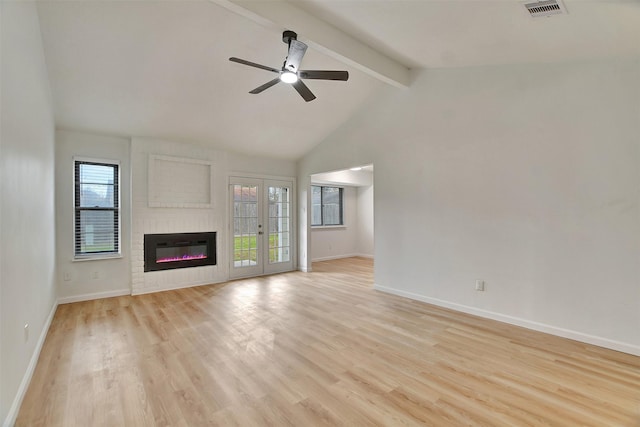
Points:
x=66, y=276
x=26, y=332
x=479, y=285
x=95, y=275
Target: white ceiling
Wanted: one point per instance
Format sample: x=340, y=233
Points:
x=361, y=176
x=160, y=68
x=463, y=33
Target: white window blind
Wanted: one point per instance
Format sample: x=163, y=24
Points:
x=326, y=206
x=97, y=208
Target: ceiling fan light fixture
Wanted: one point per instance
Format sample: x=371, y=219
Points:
x=288, y=77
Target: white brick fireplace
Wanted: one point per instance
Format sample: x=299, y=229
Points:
x=176, y=188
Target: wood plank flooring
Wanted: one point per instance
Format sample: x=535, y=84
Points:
x=312, y=349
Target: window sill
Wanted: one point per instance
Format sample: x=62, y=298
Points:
x=328, y=227
x=96, y=257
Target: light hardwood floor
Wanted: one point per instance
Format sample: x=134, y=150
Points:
x=309, y=349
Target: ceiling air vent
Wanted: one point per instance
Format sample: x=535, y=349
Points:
x=538, y=9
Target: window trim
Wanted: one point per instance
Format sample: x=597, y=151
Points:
x=323, y=225
x=87, y=256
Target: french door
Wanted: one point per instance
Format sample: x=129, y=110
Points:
x=261, y=226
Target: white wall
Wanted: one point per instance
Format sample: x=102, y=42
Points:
x=365, y=245
x=524, y=176
x=248, y=165
x=77, y=279
x=27, y=228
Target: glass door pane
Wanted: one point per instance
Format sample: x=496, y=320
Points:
x=247, y=229
x=280, y=231
x=279, y=222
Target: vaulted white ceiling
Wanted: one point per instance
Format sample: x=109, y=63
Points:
x=464, y=33
x=161, y=69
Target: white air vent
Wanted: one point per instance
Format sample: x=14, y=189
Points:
x=545, y=8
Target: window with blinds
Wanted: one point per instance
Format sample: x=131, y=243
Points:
x=326, y=206
x=97, y=209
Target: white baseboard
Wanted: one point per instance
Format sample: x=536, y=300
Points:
x=173, y=288
x=329, y=258
x=26, y=379
x=536, y=326
x=96, y=295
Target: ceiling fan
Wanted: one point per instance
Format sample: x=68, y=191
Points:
x=290, y=72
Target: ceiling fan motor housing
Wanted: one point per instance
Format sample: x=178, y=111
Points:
x=288, y=35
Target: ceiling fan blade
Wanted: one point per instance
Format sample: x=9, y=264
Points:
x=324, y=75
x=253, y=64
x=303, y=90
x=296, y=52
x=267, y=85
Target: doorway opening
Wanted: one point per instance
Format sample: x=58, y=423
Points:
x=341, y=217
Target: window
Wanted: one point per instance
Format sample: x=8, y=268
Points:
x=97, y=209
x=326, y=206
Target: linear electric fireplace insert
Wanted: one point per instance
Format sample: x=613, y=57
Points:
x=179, y=250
